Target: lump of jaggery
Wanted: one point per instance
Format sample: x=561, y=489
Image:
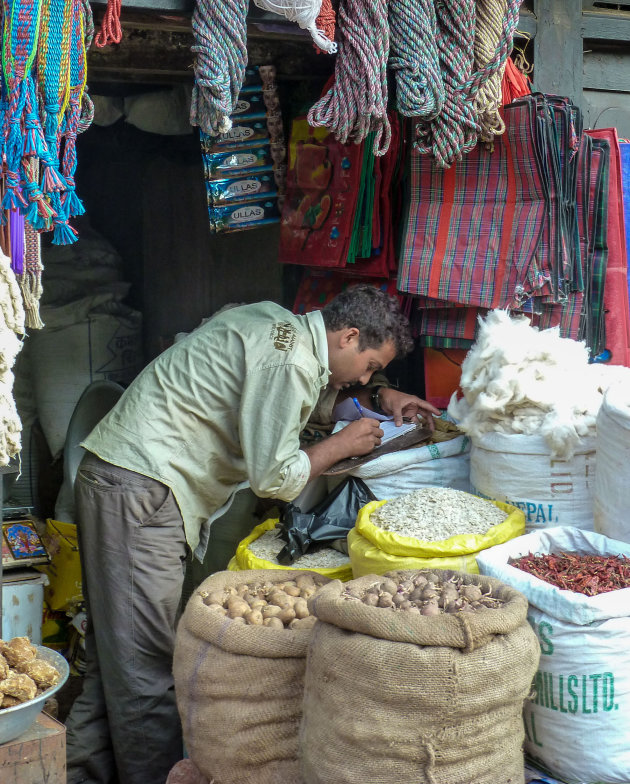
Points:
x=44, y=674
x=4, y=667
x=10, y=702
x=18, y=651
x=18, y=685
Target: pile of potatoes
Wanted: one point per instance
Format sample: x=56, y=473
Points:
x=22, y=675
x=280, y=605
x=425, y=593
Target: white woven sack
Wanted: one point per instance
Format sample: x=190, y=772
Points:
x=446, y=464
x=575, y=725
x=519, y=470
x=90, y=340
x=611, y=502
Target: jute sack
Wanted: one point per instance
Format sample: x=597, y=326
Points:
x=239, y=688
x=394, y=697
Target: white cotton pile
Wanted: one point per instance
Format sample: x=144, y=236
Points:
x=519, y=379
x=11, y=322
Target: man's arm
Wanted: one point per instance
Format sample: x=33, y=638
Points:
x=357, y=438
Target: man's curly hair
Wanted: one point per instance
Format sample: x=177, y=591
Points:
x=374, y=313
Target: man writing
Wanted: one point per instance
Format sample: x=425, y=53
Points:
x=220, y=410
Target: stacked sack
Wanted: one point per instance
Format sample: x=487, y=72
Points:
x=612, y=481
x=239, y=663
x=574, y=724
x=395, y=693
x=530, y=406
x=286, y=677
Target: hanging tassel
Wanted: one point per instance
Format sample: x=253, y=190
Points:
x=71, y=203
x=54, y=62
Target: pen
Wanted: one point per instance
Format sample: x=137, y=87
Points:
x=358, y=405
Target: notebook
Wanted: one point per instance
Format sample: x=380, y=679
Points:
x=388, y=426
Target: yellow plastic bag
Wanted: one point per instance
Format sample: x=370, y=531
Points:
x=65, y=590
x=375, y=551
x=245, y=559
x=461, y=544
x=366, y=558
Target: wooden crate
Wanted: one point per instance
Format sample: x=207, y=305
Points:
x=37, y=756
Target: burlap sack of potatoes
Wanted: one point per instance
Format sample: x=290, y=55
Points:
x=239, y=688
x=394, y=697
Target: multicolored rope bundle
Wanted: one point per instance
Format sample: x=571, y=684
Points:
x=415, y=59
x=53, y=74
x=76, y=88
x=455, y=129
x=21, y=19
x=220, y=33
x=44, y=69
x=449, y=59
x=356, y=104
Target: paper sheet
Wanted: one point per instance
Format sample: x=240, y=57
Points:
x=390, y=431
x=347, y=411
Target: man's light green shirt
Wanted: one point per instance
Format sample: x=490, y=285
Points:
x=223, y=406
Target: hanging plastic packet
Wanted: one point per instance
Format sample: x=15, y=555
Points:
x=249, y=157
x=329, y=521
x=243, y=188
x=249, y=215
x=250, y=129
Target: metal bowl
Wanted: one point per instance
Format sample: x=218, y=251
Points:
x=14, y=721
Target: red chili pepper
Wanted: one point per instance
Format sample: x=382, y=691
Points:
x=587, y=574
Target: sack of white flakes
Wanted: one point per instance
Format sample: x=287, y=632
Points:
x=431, y=528
x=576, y=725
x=392, y=695
x=260, y=548
x=521, y=470
x=238, y=668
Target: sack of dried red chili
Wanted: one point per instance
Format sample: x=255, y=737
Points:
x=576, y=723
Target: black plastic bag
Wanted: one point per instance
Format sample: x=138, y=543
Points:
x=331, y=519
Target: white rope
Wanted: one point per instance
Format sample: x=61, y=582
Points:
x=305, y=13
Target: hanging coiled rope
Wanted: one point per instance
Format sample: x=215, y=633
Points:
x=111, y=31
x=356, y=104
x=494, y=35
x=326, y=22
x=220, y=32
x=414, y=58
x=305, y=13
x=455, y=130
